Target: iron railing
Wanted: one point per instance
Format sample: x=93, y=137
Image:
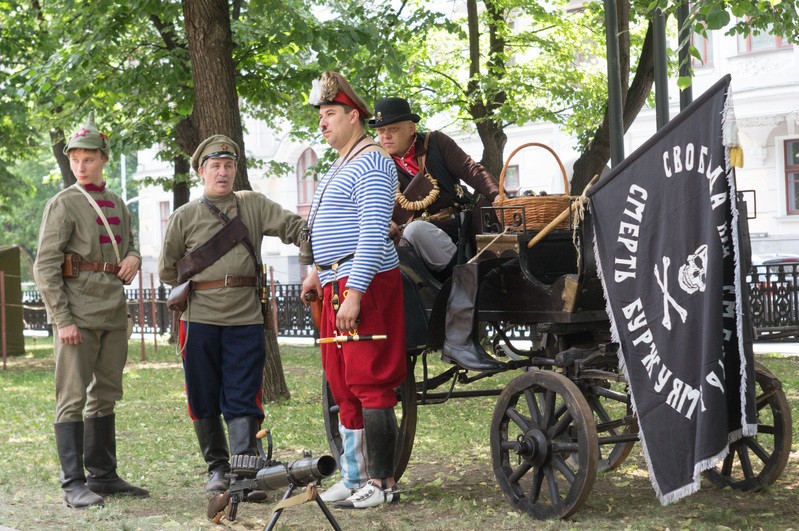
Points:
x=773, y=306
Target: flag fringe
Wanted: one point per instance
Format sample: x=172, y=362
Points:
x=730, y=139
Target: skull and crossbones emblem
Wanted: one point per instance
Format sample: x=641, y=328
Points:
x=690, y=277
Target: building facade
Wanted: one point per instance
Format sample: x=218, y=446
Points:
x=765, y=84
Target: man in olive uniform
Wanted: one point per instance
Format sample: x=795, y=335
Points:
x=221, y=331
x=88, y=310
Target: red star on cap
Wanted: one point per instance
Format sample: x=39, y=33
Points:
x=223, y=147
x=82, y=132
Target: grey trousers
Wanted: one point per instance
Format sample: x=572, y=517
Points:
x=89, y=375
x=432, y=244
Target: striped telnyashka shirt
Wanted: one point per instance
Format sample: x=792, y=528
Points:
x=353, y=218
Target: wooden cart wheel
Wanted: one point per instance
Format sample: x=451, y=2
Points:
x=754, y=462
x=530, y=449
x=406, y=394
x=614, y=418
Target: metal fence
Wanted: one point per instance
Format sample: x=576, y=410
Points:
x=773, y=305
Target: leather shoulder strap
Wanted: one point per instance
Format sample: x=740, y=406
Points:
x=103, y=219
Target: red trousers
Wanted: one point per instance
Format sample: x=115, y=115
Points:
x=363, y=374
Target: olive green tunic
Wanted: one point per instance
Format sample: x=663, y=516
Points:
x=93, y=300
x=193, y=224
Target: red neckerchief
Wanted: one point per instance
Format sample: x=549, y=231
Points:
x=408, y=161
x=94, y=188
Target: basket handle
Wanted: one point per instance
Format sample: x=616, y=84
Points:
x=501, y=195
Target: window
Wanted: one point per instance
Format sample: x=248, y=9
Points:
x=761, y=41
x=163, y=209
x=306, y=181
x=792, y=176
x=703, y=45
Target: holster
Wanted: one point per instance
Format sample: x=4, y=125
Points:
x=178, y=299
x=209, y=252
x=71, y=266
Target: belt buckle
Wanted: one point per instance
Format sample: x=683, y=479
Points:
x=108, y=267
x=228, y=281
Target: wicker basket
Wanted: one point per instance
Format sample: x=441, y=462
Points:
x=531, y=213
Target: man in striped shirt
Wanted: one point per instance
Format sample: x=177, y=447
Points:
x=357, y=273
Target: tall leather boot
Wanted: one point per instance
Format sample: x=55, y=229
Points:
x=461, y=344
x=213, y=445
x=380, y=431
x=241, y=432
x=100, y=455
x=69, y=443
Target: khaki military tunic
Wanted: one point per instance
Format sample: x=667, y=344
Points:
x=93, y=300
x=88, y=376
x=193, y=224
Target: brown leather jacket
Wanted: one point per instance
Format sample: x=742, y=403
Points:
x=450, y=166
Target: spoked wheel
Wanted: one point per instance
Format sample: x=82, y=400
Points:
x=544, y=445
x=754, y=462
x=406, y=394
x=616, y=426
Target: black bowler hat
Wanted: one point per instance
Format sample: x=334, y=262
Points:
x=392, y=110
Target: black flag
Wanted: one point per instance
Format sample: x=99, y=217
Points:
x=667, y=244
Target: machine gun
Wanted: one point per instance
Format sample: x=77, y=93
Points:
x=260, y=472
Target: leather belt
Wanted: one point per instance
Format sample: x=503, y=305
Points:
x=228, y=282
x=336, y=264
x=103, y=267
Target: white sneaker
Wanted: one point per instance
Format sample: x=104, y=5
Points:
x=368, y=496
x=337, y=492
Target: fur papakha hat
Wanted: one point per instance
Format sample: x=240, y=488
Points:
x=333, y=89
x=89, y=137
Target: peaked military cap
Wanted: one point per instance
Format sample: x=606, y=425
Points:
x=214, y=147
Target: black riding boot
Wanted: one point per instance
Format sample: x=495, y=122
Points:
x=461, y=344
x=69, y=442
x=100, y=455
x=380, y=434
x=241, y=432
x=213, y=444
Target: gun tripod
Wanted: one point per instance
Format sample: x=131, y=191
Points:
x=285, y=503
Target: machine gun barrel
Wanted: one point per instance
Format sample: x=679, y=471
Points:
x=298, y=473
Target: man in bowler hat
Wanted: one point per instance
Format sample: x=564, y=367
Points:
x=431, y=224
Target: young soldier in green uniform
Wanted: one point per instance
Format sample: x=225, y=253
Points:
x=87, y=307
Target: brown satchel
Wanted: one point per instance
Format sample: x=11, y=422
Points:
x=178, y=299
x=420, y=193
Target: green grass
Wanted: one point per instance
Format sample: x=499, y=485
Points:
x=449, y=483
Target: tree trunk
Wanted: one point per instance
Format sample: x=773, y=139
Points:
x=494, y=140
x=180, y=186
x=216, y=111
x=59, y=143
x=274, y=387
x=483, y=104
x=216, y=103
x=597, y=154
